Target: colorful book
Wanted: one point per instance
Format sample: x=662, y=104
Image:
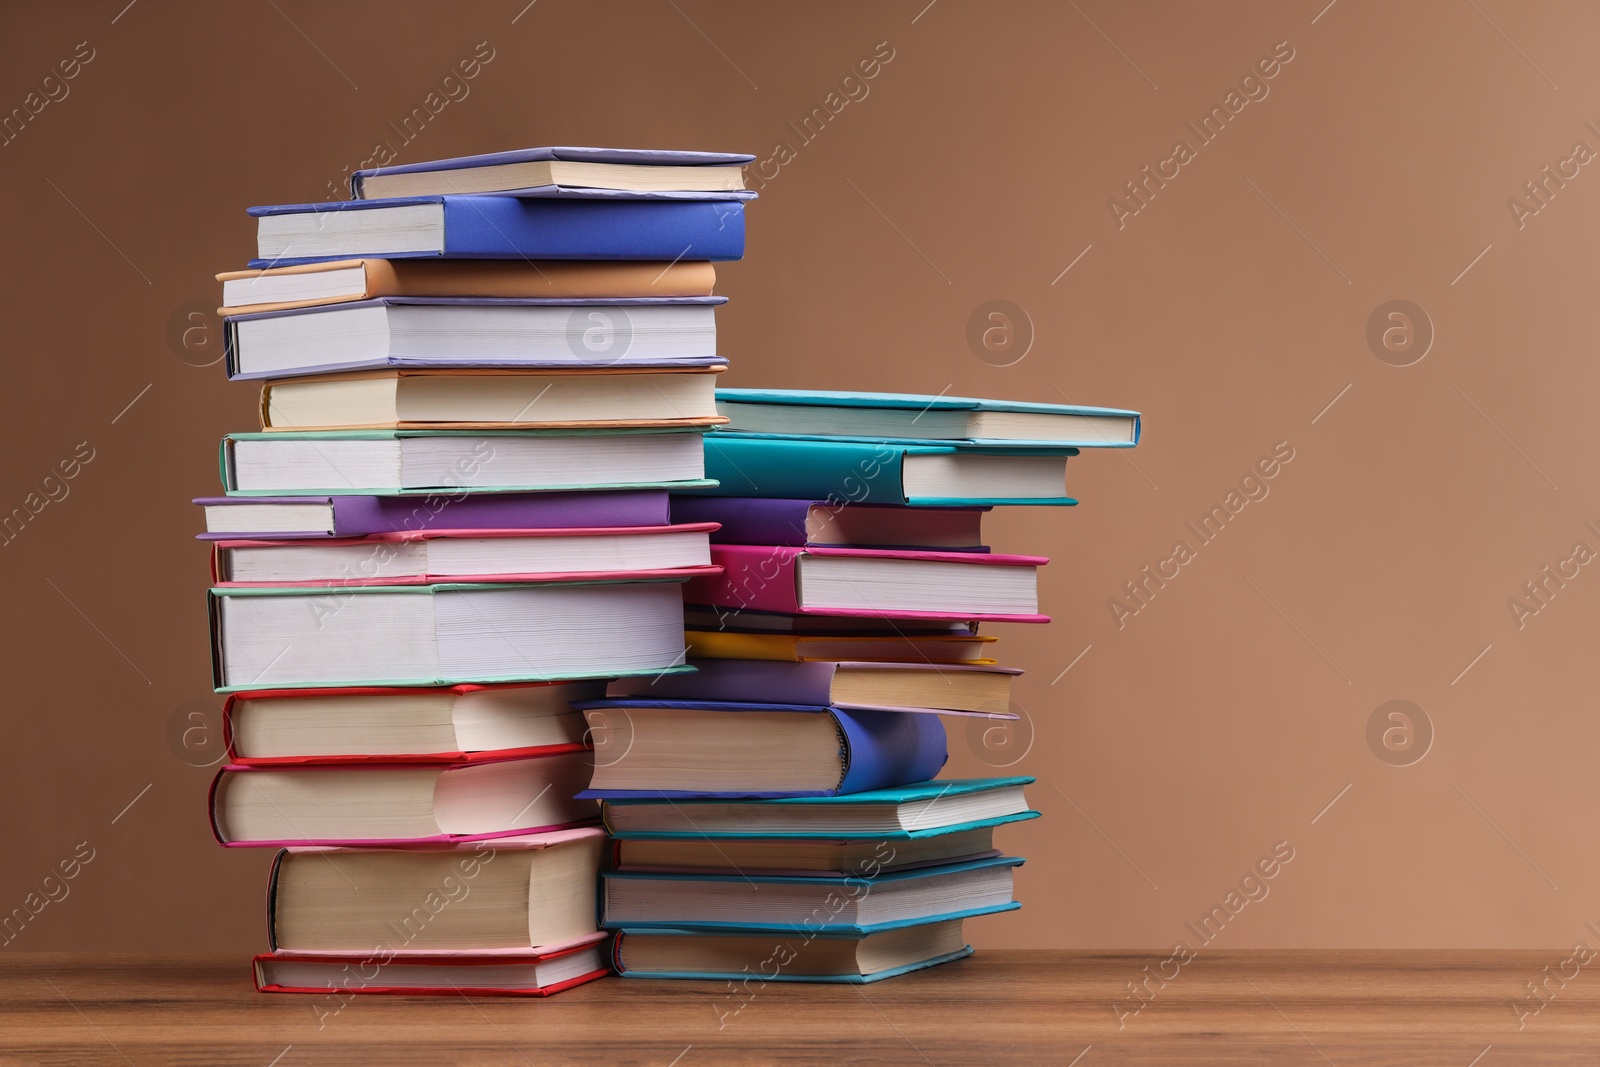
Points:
x=883, y=472
x=962, y=648
x=467, y=332
x=342, y=281
x=913, y=418
x=439, y=635
x=917, y=687
x=492, y=400
x=758, y=901
x=577, y=225
x=901, y=813
x=398, y=803
x=701, y=748
x=872, y=582
x=805, y=856
x=530, y=974
x=454, y=724
x=820, y=523
x=786, y=955
x=286, y=517
x=510, y=897
x=430, y=556
x=534, y=170
x=749, y=621
x=431, y=462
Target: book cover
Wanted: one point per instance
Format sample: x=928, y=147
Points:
x=572, y=225
x=765, y=578
x=838, y=471
x=878, y=749
x=458, y=510
x=230, y=336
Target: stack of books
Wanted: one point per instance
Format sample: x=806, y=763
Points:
x=479, y=379
x=775, y=815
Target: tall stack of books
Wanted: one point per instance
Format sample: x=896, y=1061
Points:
x=479, y=379
x=775, y=815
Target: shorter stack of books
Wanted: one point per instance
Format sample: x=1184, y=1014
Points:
x=850, y=887
x=775, y=815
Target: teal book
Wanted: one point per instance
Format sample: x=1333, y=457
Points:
x=752, y=958
x=395, y=462
x=904, y=813
x=914, y=418
x=760, y=902
x=882, y=471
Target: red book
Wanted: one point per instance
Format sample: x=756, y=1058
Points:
x=530, y=974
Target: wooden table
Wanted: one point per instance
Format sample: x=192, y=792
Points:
x=1340, y=1008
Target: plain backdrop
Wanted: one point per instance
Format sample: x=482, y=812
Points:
x=1227, y=711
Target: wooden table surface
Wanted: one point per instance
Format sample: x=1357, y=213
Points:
x=1268, y=1007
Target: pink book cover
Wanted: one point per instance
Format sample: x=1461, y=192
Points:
x=402, y=536
x=763, y=578
x=497, y=836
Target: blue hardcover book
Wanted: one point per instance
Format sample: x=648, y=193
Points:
x=910, y=417
x=754, y=958
x=906, y=812
x=646, y=749
x=775, y=903
x=883, y=472
x=539, y=172
x=498, y=227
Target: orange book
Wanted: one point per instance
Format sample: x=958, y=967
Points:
x=346, y=280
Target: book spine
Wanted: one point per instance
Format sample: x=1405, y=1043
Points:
x=747, y=520
x=835, y=472
x=754, y=578
x=884, y=749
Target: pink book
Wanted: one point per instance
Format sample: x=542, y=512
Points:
x=857, y=582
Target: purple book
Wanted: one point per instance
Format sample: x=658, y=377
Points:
x=251, y=518
x=815, y=523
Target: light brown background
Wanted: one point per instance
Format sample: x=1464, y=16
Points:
x=1226, y=715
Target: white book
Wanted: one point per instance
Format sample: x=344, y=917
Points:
x=443, y=635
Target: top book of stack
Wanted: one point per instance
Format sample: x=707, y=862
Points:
x=542, y=203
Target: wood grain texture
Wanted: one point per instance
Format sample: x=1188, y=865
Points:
x=1265, y=1007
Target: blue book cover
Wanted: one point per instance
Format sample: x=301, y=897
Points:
x=852, y=472
x=505, y=227
x=878, y=749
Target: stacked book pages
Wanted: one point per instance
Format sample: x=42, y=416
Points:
x=545, y=657
x=479, y=380
x=776, y=815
